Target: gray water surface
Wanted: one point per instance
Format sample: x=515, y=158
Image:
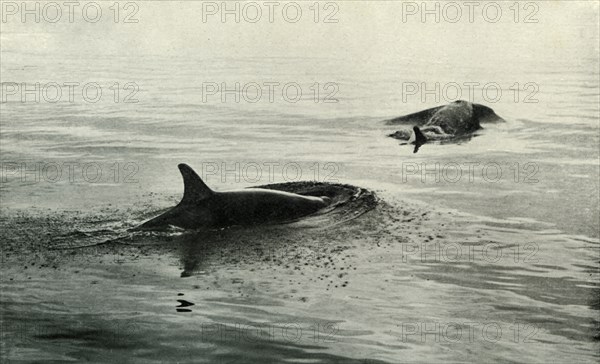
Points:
x=469, y=267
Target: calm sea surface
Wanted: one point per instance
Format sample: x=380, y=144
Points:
x=482, y=251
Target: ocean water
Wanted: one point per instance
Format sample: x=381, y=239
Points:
x=482, y=251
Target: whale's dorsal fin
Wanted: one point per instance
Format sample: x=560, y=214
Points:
x=194, y=188
x=420, y=139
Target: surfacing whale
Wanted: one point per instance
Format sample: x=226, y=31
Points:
x=454, y=122
x=202, y=207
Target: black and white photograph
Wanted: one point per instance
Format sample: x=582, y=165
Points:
x=306, y=181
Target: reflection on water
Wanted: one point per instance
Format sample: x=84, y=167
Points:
x=366, y=289
x=483, y=251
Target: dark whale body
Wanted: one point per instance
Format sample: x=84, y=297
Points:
x=202, y=207
x=453, y=122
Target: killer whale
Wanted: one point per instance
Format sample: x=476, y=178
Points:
x=202, y=207
x=453, y=122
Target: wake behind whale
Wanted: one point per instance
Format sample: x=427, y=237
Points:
x=283, y=206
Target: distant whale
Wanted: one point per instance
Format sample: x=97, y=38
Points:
x=202, y=207
x=453, y=122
